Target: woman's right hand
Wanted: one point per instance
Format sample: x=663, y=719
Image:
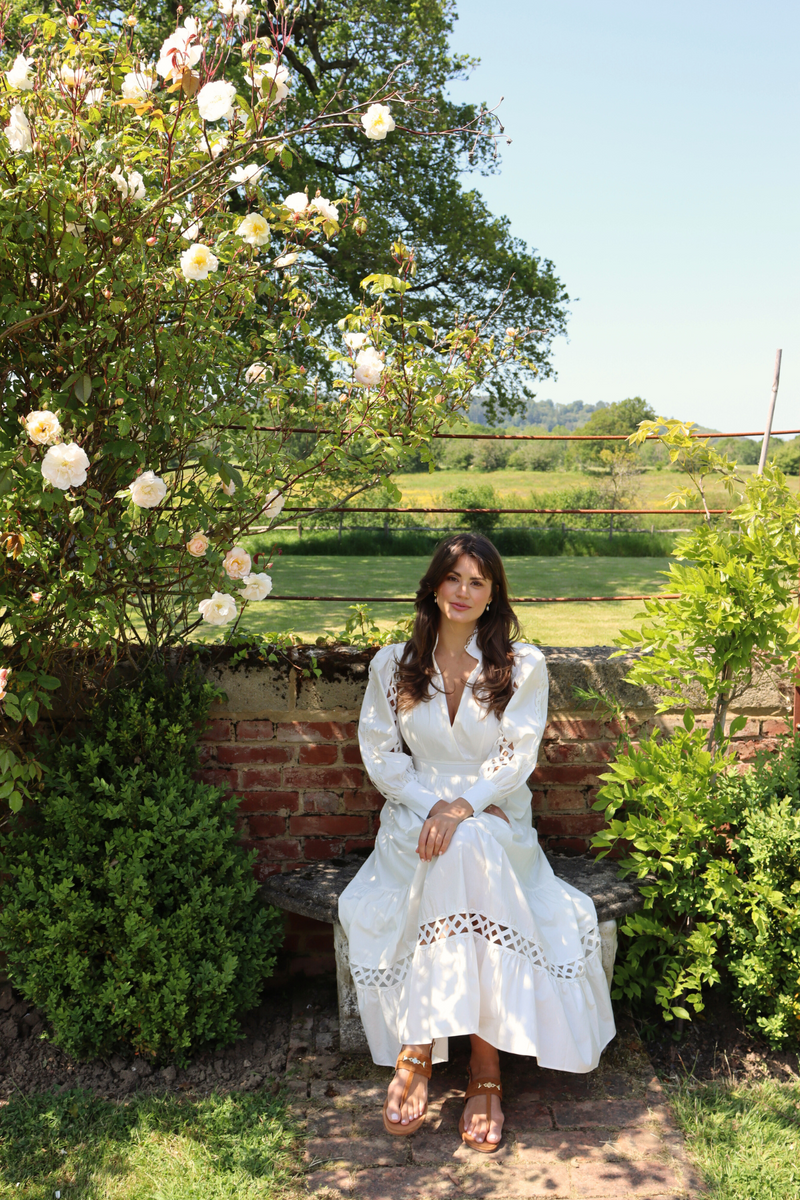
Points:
x=437, y=832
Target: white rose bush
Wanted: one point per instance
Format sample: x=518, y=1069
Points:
x=157, y=402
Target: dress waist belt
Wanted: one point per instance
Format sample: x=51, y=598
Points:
x=428, y=767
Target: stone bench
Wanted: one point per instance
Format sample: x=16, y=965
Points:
x=314, y=891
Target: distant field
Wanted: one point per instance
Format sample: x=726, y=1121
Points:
x=652, y=487
x=548, y=624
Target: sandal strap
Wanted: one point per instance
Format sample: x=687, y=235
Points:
x=484, y=1086
x=415, y=1063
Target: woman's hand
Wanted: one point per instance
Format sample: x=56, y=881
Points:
x=437, y=832
x=494, y=811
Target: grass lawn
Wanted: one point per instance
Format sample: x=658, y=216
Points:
x=240, y=1147
x=745, y=1140
x=548, y=624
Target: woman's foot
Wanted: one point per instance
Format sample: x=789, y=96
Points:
x=484, y=1065
x=416, y=1102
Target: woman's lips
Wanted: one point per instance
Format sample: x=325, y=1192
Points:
x=460, y=607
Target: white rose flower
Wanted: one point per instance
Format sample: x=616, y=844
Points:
x=228, y=488
x=198, y=261
x=273, y=506
x=236, y=9
x=377, y=122
x=219, y=610
x=43, y=428
x=285, y=260
x=19, y=76
x=18, y=131
x=369, y=367
x=237, y=563
x=325, y=208
x=94, y=97
x=197, y=544
x=147, y=490
x=137, y=85
x=65, y=466
x=273, y=81
x=4, y=674
x=74, y=77
x=214, y=148
x=297, y=202
x=256, y=373
x=131, y=185
x=181, y=51
x=256, y=587
x=255, y=230
x=354, y=341
x=215, y=100
x=246, y=176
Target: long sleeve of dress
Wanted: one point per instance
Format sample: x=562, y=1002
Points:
x=387, y=764
x=516, y=746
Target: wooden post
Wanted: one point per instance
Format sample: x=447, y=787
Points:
x=765, y=443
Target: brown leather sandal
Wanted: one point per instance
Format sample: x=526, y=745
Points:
x=488, y=1087
x=417, y=1066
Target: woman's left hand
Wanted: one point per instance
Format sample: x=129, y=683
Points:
x=437, y=832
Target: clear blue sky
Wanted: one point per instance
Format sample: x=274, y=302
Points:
x=654, y=159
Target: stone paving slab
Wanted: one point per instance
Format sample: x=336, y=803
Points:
x=604, y=1136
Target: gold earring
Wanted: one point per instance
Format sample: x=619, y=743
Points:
x=435, y=599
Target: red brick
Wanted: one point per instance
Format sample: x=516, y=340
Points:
x=316, y=848
x=266, y=826
x=359, y=844
x=750, y=728
x=314, y=756
x=217, y=731
x=254, y=754
x=321, y=802
x=323, y=777
x=364, y=800
x=207, y=752
x=261, y=777
x=263, y=802
x=352, y=754
x=263, y=870
x=224, y=779
x=573, y=752
x=538, y=800
x=333, y=825
x=567, y=800
x=573, y=729
x=569, y=824
x=316, y=731
x=561, y=774
x=278, y=848
x=303, y=924
x=747, y=751
x=254, y=731
x=773, y=728
x=568, y=846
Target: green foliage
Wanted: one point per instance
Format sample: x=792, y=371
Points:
x=763, y=957
x=786, y=455
x=478, y=496
x=621, y=417
x=130, y=912
x=720, y=853
x=663, y=807
x=235, y=1147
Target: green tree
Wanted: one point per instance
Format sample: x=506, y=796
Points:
x=621, y=417
x=341, y=53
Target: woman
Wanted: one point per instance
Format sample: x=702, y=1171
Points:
x=456, y=922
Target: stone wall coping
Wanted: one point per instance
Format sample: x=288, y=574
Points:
x=283, y=691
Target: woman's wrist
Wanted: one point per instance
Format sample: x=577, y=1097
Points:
x=461, y=808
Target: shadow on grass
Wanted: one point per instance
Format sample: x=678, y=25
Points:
x=165, y=1146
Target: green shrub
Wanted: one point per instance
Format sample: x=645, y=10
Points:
x=479, y=495
x=763, y=955
x=130, y=913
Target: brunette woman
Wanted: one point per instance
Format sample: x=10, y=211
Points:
x=456, y=922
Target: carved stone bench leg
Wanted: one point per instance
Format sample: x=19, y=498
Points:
x=352, y=1039
x=608, y=947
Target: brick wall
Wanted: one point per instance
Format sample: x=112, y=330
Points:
x=286, y=744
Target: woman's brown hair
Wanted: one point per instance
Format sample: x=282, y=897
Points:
x=497, y=628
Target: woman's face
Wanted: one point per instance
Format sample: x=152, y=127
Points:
x=464, y=592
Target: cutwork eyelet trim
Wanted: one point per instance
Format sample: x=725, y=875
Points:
x=471, y=925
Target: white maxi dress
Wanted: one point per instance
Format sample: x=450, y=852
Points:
x=484, y=939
